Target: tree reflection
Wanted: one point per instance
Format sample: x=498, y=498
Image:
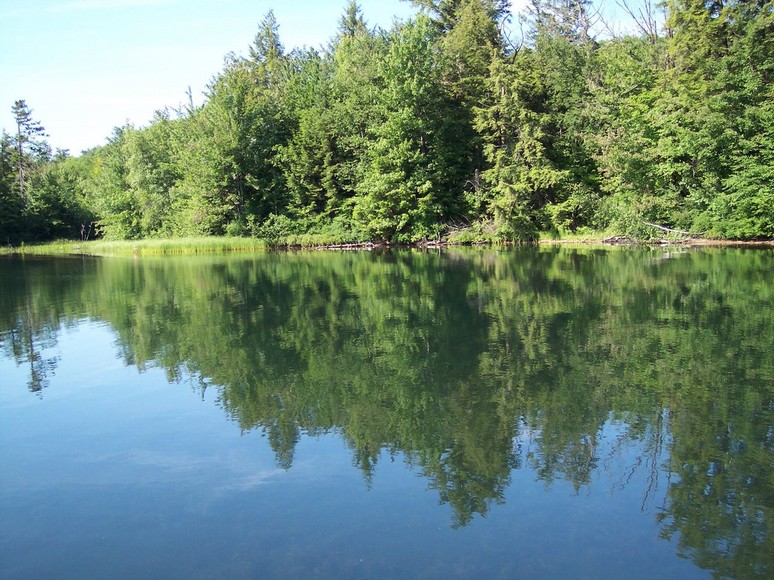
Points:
x=34, y=305
x=473, y=364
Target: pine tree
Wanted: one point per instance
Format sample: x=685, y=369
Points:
x=351, y=23
x=266, y=53
x=29, y=145
x=445, y=13
x=522, y=178
x=10, y=202
x=412, y=176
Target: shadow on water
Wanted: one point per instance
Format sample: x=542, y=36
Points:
x=469, y=364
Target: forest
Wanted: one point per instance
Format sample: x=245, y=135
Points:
x=464, y=123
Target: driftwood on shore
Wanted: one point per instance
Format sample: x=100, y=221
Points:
x=629, y=241
x=625, y=240
x=670, y=230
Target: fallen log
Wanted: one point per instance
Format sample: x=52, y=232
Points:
x=663, y=229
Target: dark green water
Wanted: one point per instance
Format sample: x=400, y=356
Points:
x=525, y=413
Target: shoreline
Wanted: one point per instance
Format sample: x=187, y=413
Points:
x=214, y=244
x=610, y=242
x=617, y=241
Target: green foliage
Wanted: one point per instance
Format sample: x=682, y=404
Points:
x=41, y=196
x=404, y=135
x=29, y=147
x=11, y=209
x=114, y=203
x=469, y=46
x=352, y=23
x=275, y=228
x=522, y=177
x=409, y=182
x=446, y=14
x=229, y=162
x=59, y=208
x=314, y=158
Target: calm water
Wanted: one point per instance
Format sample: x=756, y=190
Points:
x=526, y=413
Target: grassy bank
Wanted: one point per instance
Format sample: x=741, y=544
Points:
x=214, y=244
x=149, y=247
x=210, y=245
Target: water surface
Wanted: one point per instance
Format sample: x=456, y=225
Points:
x=524, y=413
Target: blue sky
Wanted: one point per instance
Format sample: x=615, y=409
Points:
x=87, y=66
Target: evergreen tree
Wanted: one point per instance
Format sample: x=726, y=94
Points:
x=11, y=207
x=310, y=159
x=410, y=183
x=522, y=178
x=352, y=23
x=717, y=116
x=446, y=13
x=30, y=146
x=469, y=47
x=266, y=53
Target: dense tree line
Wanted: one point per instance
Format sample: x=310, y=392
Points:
x=445, y=124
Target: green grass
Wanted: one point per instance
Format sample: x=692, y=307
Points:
x=217, y=244
x=581, y=237
x=148, y=247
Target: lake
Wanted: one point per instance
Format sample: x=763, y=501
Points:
x=535, y=413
